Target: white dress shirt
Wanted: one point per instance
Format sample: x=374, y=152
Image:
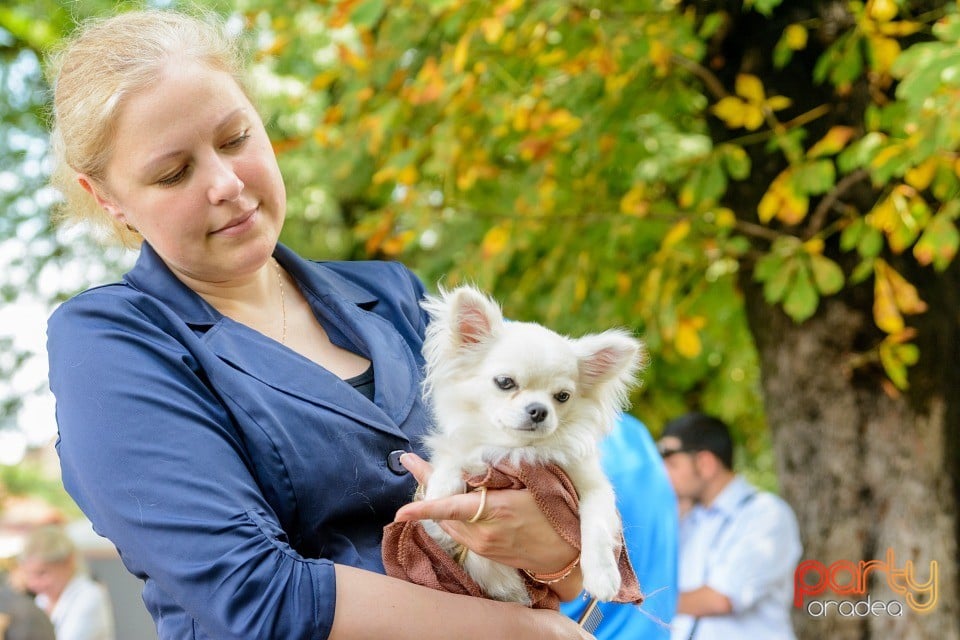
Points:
x=83, y=611
x=745, y=545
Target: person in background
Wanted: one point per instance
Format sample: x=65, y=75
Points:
x=20, y=617
x=739, y=546
x=239, y=421
x=648, y=508
x=51, y=568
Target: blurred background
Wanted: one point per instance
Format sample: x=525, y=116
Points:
x=765, y=191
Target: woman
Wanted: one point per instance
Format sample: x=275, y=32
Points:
x=239, y=421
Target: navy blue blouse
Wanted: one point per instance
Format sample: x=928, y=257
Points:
x=231, y=472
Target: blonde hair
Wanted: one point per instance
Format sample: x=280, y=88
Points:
x=49, y=544
x=95, y=71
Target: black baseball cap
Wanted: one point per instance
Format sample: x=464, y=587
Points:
x=698, y=432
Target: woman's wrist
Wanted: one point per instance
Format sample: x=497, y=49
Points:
x=556, y=576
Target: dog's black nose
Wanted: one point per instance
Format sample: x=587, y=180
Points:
x=537, y=412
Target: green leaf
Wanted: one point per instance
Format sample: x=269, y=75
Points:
x=895, y=368
x=851, y=234
x=947, y=28
x=767, y=266
x=764, y=7
x=775, y=287
x=871, y=243
x=802, y=298
x=711, y=25
x=366, y=14
x=736, y=161
x=860, y=153
x=814, y=178
x=939, y=243
x=862, y=272
x=782, y=53
x=827, y=274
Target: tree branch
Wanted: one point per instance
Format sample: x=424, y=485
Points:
x=819, y=215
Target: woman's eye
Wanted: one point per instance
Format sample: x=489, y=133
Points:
x=561, y=397
x=504, y=382
x=238, y=141
x=171, y=180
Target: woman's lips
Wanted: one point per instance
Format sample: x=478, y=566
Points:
x=238, y=225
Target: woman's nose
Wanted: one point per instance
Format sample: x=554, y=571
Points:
x=225, y=184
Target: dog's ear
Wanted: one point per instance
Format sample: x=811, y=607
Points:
x=475, y=317
x=610, y=356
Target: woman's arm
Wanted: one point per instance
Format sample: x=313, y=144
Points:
x=373, y=606
x=511, y=530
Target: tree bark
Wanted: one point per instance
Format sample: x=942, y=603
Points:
x=867, y=473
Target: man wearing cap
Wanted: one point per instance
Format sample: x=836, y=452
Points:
x=738, y=546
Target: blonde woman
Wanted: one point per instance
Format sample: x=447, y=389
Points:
x=239, y=421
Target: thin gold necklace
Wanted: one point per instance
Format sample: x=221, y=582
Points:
x=283, y=303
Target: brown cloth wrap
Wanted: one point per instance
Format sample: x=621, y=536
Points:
x=411, y=554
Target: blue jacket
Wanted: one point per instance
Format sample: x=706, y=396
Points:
x=648, y=507
x=230, y=472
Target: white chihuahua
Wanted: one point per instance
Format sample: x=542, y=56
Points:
x=518, y=392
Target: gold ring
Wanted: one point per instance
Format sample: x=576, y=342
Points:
x=483, y=503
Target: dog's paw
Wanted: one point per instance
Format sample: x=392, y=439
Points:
x=604, y=586
x=601, y=575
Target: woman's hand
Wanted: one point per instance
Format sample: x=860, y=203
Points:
x=511, y=529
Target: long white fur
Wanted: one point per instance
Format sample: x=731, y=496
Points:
x=468, y=344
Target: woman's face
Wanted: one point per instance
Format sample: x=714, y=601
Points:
x=193, y=171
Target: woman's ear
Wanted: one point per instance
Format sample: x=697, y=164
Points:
x=91, y=186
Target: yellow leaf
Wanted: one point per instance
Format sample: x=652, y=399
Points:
x=564, y=122
x=905, y=295
x=833, y=142
x=623, y=283
x=492, y=30
x=778, y=103
x=730, y=110
x=752, y=117
x=885, y=52
x=750, y=87
x=794, y=207
x=795, y=36
x=408, y=175
x=384, y=175
x=494, y=241
x=885, y=313
x=770, y=202
x=677, y=233
x=460, y=53
x=725, y=219
x=687, y=340
x=580, y=289
x=324, y=79
x=634, y=202
x=660, y=57
x=921, y=176
x=813, y=246
x=882, y=10
x=395, y=245
x=900, y=28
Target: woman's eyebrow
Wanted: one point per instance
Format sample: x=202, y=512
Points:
x=154, y=163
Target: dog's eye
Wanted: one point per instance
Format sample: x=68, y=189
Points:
x=504, y=382
x=563, y=396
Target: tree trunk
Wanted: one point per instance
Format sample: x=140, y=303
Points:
x=868, y=474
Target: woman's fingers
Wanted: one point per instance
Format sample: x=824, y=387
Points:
x=460, y=507
x=417, y=466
